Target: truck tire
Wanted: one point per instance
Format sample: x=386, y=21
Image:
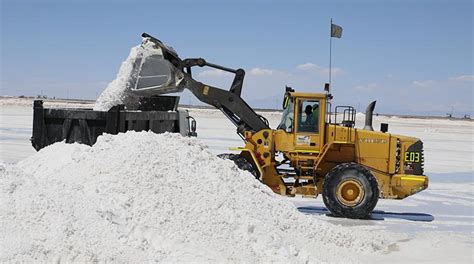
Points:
x=351, y=191
x=240, y=161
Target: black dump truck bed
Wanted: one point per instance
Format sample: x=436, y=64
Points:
x=158, y=114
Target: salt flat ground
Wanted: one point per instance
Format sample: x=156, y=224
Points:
x=436, y=225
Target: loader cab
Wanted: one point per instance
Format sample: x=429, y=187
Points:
x=303, y=121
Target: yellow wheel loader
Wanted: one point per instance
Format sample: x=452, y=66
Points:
x=313, y=151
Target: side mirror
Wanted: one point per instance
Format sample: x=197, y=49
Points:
x=384, y=127
x=192, y=126
x=327, y=87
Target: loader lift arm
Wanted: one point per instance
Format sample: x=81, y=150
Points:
x=229, y=101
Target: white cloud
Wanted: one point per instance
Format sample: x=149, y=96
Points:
x=424, y=83
x=260, y=72
x=262, y=81
x=366, y=88
x=311, y=67
x=335, y=71
x=308, y=66
x=214, y=73
x=463, y=78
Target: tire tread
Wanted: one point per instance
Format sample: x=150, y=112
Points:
x=360, y=211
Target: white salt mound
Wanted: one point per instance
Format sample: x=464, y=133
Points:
x=118, y=91
x=140, y=196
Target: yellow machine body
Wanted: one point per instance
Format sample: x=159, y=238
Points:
x=395, y=161
x=314, y=150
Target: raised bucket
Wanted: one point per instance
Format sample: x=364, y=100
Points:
x=152, y=73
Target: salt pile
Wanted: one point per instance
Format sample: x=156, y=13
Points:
x=119, y=90
x=140, y=196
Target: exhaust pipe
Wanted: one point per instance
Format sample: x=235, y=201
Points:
x=368, y=116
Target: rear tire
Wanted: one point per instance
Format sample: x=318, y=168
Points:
x=350, y=191
x=240, y=161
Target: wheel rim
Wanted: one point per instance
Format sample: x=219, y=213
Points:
x=350, y=192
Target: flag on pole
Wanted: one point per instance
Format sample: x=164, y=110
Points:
x=336, y=31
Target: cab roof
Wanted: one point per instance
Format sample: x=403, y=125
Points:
x=308, y=95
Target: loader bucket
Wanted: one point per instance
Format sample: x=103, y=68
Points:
x=152, y=73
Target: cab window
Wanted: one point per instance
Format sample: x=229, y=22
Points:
x=287, y=117
x=308, y=116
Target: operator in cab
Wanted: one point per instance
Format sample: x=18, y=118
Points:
x=310, y=123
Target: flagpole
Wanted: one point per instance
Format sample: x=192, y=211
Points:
x=330, y=52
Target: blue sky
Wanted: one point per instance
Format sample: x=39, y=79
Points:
x=414, y=57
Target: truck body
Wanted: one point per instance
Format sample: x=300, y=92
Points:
x=156, y=114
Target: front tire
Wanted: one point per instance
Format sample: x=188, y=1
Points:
x=351, y=191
